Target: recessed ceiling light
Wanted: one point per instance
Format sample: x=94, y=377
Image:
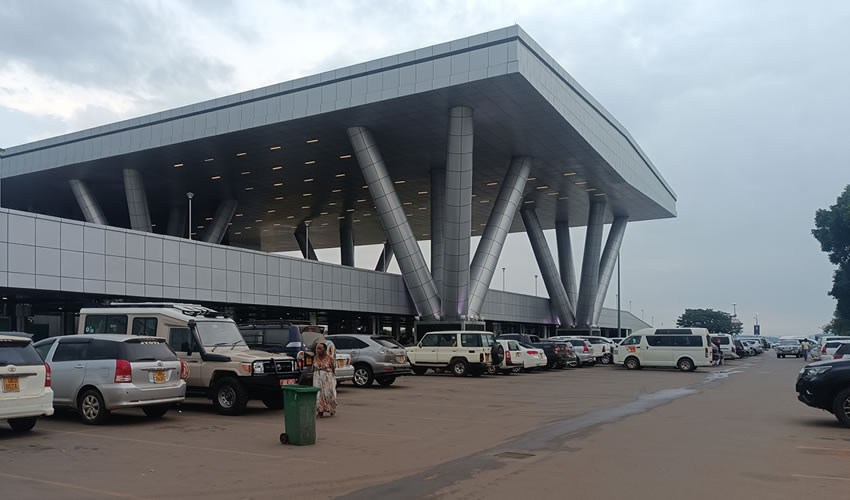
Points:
x=200, y=227
x=277, y=167
x=484, y=201
x=178, y=165
x=579, y=183
x=324, y=223
x=423, y=208
x=482, y=225
x=309, y=162
x=563, y=197
x=542, y=187
x=599, y=194
x=249, y=189
x=424, y=234
x=409, y=215
x=333, y=203
x=407, y=203
x=340, y=217
x=229, y=223
x=238, y=232
x=305, y=207
x=279, y=198
x=245, y=172
x=153, y=225
x=274, y=147
x=590, y=189
x=278, y=184
x=271, y=211
x=239, y=215
x=402, y=181
x=356, y=220
x=276, y=224
x=309, y=179
x=567, y=174
x=241, y=154
x=307, y=194
x=528, y=201
x=492, y=183
x=258, y=220
x=215, y=177
x=311, y=141
x=342, y=157
x=474, y=195
x=360, y=200
x=336, y=190
x=290, y=216
x=367, y=214
x=209, y=218
x=349, y=209
x=247, y=227
x=532, y=178
x=365, y=186
x=323, y=213
x=209, y=159
x=422, y=192
x=553, y=193
x=341, y=174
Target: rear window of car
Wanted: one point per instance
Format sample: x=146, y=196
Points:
x=844, y=349
x=387, y=342
x=149, y=350
x=721, y=340
x=19, y=353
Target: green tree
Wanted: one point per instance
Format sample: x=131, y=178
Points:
x=715, y=321
x=838, y=326
x=832, y=230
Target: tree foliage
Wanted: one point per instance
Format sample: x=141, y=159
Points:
x=715, y=321
x=838, y=326
x=832, y=230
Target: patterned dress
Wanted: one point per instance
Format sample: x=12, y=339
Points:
x=325, y=380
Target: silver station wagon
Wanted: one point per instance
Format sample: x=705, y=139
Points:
x=96, y=374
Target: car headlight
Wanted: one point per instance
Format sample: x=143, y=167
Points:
x=815, y=371
x=258, y=367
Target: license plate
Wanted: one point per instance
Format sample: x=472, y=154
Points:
x=159, y=376
x=340, y=363
x=288, y=381
x=10, y=384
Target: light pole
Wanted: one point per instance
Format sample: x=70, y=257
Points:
x=307, y=237
x=734, y=309
x=190, y=195
x=535, y=285
x=503, y=279
x=618, y=294
x=630, y=306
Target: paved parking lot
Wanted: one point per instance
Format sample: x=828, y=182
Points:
x=728, y=432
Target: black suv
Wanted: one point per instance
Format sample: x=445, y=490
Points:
x=826, y=385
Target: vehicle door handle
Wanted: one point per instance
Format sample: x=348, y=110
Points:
x=79, y=366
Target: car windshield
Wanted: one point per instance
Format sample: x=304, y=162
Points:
x=219, y=333
x=788, y=342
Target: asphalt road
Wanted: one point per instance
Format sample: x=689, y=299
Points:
x=602, y=432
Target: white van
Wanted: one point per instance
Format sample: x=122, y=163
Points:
x=683, y=348
x=726, y=344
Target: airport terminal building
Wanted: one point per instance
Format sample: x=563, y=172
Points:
x=481, y=136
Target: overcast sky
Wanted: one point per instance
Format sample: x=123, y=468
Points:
x=743, y=107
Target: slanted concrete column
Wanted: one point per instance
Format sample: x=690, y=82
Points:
x=346, y=242
x=608, y=261
x=137, y=202
x=91, y=210
x=177, y=221
x=420, y=284
x=546, y=264
x=498, y=225
x=458, y=217
x=215, y=230
x=590, y=263
x=438, y=206
x=385, y=258
x=565, y=254
x=306, y=247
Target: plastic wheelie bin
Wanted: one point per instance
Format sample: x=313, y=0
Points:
x=299, y=403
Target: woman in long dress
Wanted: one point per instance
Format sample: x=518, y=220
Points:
x=324, y=377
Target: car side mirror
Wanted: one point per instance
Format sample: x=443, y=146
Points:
x=185, y=348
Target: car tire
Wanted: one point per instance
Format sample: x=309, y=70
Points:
x=632, y=363
x=492, y=370
x=778, y=356
x=686, y=365
x=23, y=424
x=386, y=381
x=363, y=376
x=92, y=408
x=606, y=359
x=275, y=403
x=841, y=407
x=229, y=397
x=418, y=370
x=156, y=411
x=460, y=368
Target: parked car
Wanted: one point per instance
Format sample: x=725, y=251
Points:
x=753, y=346
x=559, y=354
x=603, y=348
x=462, y=352
x=96, y=374
x=843, y=351
x=830, y=348
x=788, y=347
x=686, y=351
x=344, y=367
x=826, y=385
x=374, y=358
x=511, y=359
x=26, y=392
x=532, y=357
x=221, y=365
x=726, y=345
x=583, y=349
x=740, y=350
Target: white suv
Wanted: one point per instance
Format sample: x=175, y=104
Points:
x=25, y=394
x=462, y=352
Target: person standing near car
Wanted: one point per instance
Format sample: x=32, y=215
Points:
x=324, y=377
x=804, y=345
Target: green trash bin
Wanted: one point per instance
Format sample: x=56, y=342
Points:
x=299, y=403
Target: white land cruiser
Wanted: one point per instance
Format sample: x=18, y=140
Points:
x=462, y=352
x=221, y=365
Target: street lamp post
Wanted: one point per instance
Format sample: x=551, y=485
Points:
x=503, y=279
x=190, y=195
x=307, y=237
x=618, y=296
x=535, y=285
